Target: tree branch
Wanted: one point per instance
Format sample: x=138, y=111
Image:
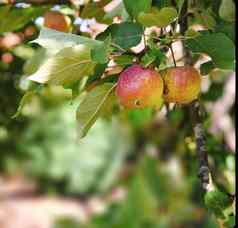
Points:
x=199, y=133
x=196, y=114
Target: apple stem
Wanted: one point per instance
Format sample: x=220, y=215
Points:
x=172, y=52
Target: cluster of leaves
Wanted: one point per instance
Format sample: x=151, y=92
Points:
x=70, y=58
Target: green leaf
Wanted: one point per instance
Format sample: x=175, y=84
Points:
x=31, y=65
x=24, y=100
x=160, y=18
x=217, y=45
x=227, y=10
x=12, y=18
x=100, y=53
x=90, y=108
x=55, y=41
x=98, y=72
x=134, y=8
x=191, y=33
x=93, y=10
x=153, y=55
x=161, y=3
x=124, y=35
x=62, y=222
x=74, y=87
x=140, y=117
x=180, y=5
x=227, y=28
x=206, y=67
x=23, y=51
x=230, y=222
x=66, y=67
x=127, y=34
x=124, y=60
x=217, y=201
x=206, y=19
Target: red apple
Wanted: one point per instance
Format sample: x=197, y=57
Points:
x=139, y=87
x=7, y=57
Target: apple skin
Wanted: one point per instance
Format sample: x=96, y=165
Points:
x=7, y=57
x=182, y=85
x=30, y=31
x=139, y=88
x=57, y=21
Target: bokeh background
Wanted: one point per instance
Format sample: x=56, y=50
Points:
x=134, y=169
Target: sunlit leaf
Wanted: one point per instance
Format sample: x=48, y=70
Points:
x=55, y=41
x=89, y=109
x=227, y=10
x=158, y=18
x=24, y=100
x=205, y=18
x=101, y=53
x=31, y=65
x=66, y=67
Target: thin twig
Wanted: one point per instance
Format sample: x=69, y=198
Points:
x=172, y=52
x=183, y=29
x=118, y=47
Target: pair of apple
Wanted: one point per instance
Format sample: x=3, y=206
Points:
x=140, y=87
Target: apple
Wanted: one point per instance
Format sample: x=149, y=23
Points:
x=7, y=57
x=30, y=31
x=58, y=21
x=139, y=87
x=10, y=40
x=182, y=84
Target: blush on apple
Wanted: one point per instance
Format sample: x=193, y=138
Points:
x=139, y=87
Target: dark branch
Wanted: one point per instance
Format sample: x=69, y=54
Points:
x=196, y=113
x=172, y=53
x=200, y=136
